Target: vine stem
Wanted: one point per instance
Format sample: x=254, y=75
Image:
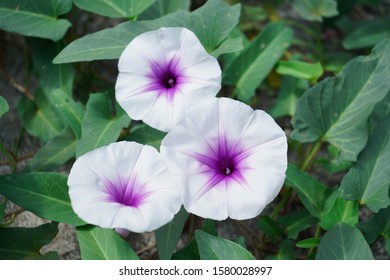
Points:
x=311, y=156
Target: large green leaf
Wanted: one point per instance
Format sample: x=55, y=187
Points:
x=103, y=244
x=44, y=194
x=3, y=106
x=51, y=76
x=55, y=153
x=230, y=45
x=168, y=235
x=146, y=135
x=315, y=10
x=163, y=7
x=215, y=248
x=290, y=91
x=338, y=210
x=378, y=224
x=99, y=126
x=380, y=112
x=343, y=242
x=247, y=70
x=310, y=191
x=72, y=112
x=367, y=34
x=368, y=181
x=26, y=243
x=296, y=222
x=114, y=8
x=110, y=43
x=39, y=116
x=35, y=18
x=336, y=110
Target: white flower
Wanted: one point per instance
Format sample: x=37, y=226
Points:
x=162, y=74
x=124, y=185
x=229, y=160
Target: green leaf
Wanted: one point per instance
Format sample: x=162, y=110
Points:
x=228, y=46
x=378, y=224
x=296, y=222
x=44, y=194
x=336, y=109
x=331, y=163
x=291, y=90
x=71, y=112
x=368, y=181
x=99, y=126
x=114, y=8
x=308, y=243
x=190, y=251
x=215, y=248
x=146, y=135
x=270, y=228
x=3, y=106
x=35, y=18
x=55, y=153
x=110, y=43
x=310, y=191
x=286, y=252
x=338, y=210
x=300, y=69
x=315, y=10
x=254, y=63
x=26, y=243
x=367, y=34
x=343, y=242
x=380, y=112
x=164, y=7
x=51, y=76
x=168, y=235
x=39, y=117
x=103, y=244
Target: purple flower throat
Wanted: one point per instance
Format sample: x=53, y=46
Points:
x=125, y=192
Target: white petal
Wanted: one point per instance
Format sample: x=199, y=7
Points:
x=123, y=162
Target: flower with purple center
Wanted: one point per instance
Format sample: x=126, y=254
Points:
x=164, y=72
x=229, y=159
x=124, y=185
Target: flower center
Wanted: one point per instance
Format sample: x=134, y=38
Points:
x=124, y=193
x=168, y=80
x=226, y=166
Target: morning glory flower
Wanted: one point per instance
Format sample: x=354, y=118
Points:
x=229, y=159
x=124, y=185
x=163, y=73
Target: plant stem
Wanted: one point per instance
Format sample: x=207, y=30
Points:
x=311, y=156
x=316, y=235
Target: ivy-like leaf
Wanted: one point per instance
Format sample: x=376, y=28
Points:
x=146, y=135
x=296, y=222
x=377, y=225
x=368, y=181
x=270, y=228
x=310, y=191
x=55, y=153
x=338, y=210
x=26, y=243
x=248, y=69
x=308, y=243
x=110, y=43
x=44, y=194
x=286, y=251
x=168, y=235
x=99, y=126
x=114, y=8
x=336, y=109
x=51, y=76
x=315, y=10
x=35, y=18
x=103, y=244
x=343, y=242
x=215, y=248
x=164, y=7
x=72, y=112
